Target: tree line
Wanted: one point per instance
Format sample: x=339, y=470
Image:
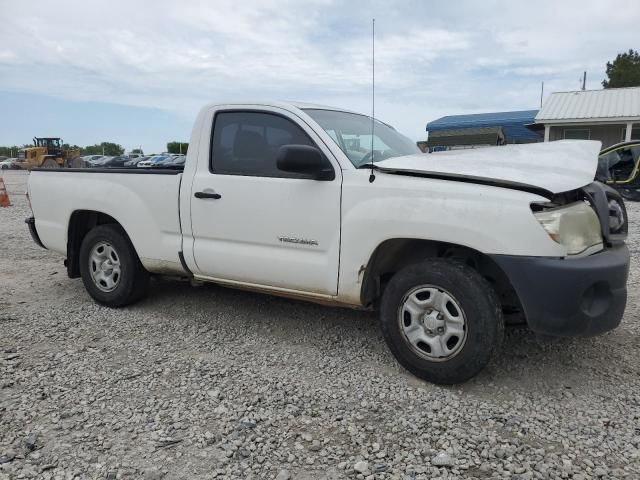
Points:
x=104, y=148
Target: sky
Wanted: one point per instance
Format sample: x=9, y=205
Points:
x=136, y=72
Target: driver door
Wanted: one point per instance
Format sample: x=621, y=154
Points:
x=254, y=224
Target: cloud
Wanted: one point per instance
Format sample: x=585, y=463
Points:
x=431, y=59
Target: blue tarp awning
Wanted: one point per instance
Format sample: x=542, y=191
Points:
x=513, y=124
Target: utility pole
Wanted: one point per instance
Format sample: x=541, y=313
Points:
x=541, y=93
x=584, y=81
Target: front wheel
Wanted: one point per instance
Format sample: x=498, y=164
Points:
x=76, y=162
x=441, y=320
x=110, y=268
x=49, y=163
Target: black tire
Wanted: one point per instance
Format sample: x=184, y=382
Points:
x=484, y=324
x=49, y=163
x=76, y=162
x=133, y=279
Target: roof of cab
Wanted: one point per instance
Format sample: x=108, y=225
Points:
x=285, y=105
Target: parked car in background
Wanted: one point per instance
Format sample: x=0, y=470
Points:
x=116, y=162
x=177, y=161
x=9, y=164
x=99, y=162
x=165, y=161
x=152, y=161
x=92, y=160
x=134, y=161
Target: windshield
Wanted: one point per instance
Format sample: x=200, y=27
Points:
x=352, y=133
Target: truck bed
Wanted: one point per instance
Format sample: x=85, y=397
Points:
x=144, y=201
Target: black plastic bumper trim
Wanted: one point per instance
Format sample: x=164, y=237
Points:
x=31, y=223
x=570, y=297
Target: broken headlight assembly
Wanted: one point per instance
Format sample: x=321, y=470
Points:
x=575, y=226
x=617, y=217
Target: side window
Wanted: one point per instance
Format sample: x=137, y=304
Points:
x=577, y=134
x=247, y=143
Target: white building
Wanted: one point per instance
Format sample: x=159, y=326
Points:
x=610, y=115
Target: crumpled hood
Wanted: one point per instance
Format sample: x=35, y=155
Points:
x=550, y=166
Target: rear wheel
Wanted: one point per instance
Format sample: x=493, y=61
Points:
x=441, y=320
x=110, y=268
x=76, y=162
x=49, y=163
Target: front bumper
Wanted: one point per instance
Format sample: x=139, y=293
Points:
x=31, y=223
x=570, y=297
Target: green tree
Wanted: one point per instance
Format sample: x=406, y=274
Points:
x=104, y=148
x=624, y=71
x=177, y=147
x=10, y=151
x=66, y=146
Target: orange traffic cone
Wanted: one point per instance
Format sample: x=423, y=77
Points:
x=4, y=196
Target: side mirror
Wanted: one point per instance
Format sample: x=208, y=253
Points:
x=304, y=160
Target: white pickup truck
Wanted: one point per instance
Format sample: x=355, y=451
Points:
x=302, y=201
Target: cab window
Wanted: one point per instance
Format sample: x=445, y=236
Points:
x=247, y=143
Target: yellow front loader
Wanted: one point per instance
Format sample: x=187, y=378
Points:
x=49, y=153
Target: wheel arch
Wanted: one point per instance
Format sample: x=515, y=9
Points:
x=394, y=254
x=82, y=222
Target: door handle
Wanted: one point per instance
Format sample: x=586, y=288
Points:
x=212, y=195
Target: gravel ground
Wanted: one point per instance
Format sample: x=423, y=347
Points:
x=210, y=382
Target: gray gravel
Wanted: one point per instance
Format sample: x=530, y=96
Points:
x=209, y=382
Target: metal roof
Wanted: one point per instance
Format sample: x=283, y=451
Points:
x=512, y=123
x=610, y=103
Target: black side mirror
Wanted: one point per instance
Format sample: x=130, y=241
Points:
x=305, y=160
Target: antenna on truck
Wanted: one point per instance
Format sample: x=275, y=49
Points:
x=372, y=176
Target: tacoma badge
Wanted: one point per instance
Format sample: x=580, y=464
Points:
x=301, y=241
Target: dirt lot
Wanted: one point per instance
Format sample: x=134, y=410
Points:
x=210, y=382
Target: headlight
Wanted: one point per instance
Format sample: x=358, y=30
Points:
x=576, y=226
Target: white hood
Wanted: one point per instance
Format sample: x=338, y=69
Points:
x=554, y=166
